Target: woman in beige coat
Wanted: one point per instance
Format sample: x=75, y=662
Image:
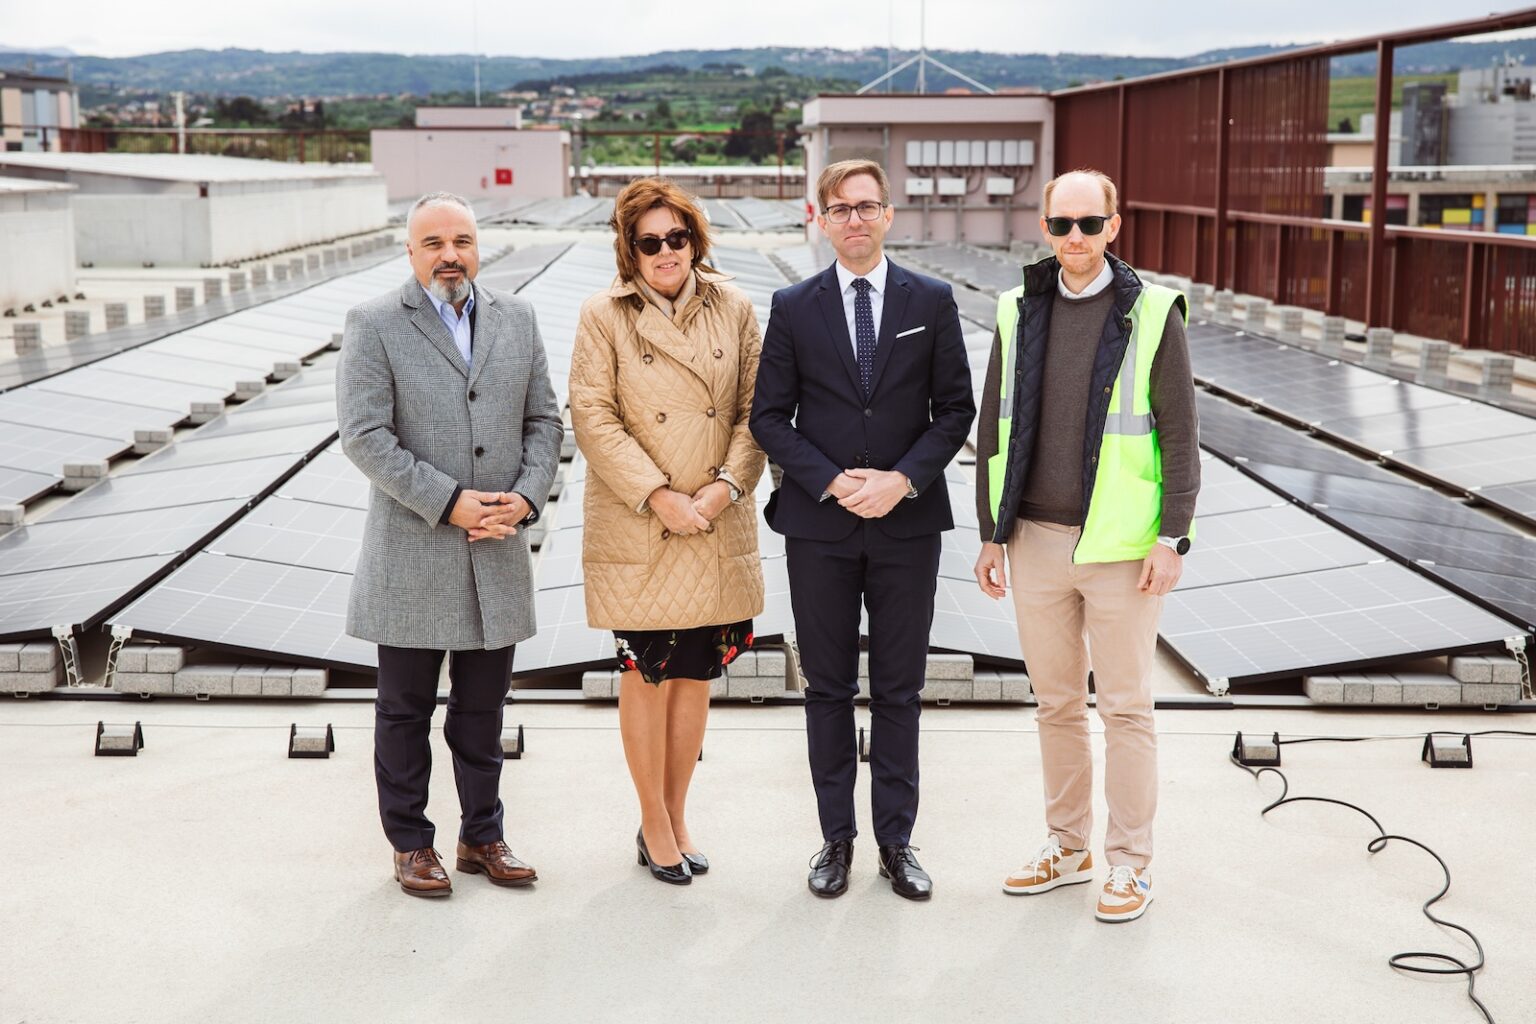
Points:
x=661, y=387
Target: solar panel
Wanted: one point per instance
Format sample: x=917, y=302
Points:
x=195, y=451
x=174, y=488
x=244, y=420
x=142, y=363
x=297, y=533
x=1267, y=542
x=1417, y=428
x=257, y=361
x=564, y=641
x=249, y=605
x=21, y=486
x=32, y=603
x=42, y=450
x=59, y=545
x=29, y=406
x=1474, y=465
x=1519, y=498
x=330, y=478
x=1340, y=618
x=94, y=382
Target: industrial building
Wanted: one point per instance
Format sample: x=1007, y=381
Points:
x=171, y=209
x=33, y=111
x=963, y=168
x=476, y=152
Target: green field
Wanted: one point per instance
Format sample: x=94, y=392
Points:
x=1351, y=97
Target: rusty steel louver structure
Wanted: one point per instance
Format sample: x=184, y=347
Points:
x=1220, y=171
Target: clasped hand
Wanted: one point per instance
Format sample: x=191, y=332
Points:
x=685, y=515
x=489, y=514
x=869, y=493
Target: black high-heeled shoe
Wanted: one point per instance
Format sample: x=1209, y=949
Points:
x=675, y=874
x=697, y=862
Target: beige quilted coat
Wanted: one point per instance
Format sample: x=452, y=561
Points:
x=657, y=402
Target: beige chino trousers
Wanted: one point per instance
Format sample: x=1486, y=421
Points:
x=1072, y=617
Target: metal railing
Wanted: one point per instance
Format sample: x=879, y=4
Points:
x=1220, y=176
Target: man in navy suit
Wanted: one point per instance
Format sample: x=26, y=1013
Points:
x=863, y=398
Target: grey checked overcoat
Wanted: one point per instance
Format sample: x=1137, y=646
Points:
x=418, y=422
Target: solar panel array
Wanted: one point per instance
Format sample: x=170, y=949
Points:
x=1486, y=452
x=79, y=563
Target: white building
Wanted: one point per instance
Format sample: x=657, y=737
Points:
x=169, y=209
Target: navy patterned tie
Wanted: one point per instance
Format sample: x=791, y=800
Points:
x=864, y=331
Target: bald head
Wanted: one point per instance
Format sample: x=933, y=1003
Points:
x=1080, y=187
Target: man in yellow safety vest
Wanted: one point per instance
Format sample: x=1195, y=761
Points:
x=1088, y=464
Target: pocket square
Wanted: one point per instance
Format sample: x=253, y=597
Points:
x=912, y=330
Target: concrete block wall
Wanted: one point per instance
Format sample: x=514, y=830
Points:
x=27, y=668
x=1473, y=681
x=163, y=670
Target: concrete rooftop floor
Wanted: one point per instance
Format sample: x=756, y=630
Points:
x=212, y=879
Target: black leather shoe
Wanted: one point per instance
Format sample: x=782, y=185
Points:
x=676, y=874
x=829, y=868
x=697, y=863
x=907, y=876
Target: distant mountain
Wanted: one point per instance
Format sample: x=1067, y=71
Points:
x=50, y=51
x=233, y=72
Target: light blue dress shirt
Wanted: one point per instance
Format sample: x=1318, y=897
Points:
x=457, y=323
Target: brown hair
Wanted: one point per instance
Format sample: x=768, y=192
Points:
x=1111, y=194
x=644, y=194
x=833, y=175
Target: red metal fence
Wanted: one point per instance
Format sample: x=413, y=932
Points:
x=1220, y=173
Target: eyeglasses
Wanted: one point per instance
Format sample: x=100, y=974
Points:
x=842, y=212
x=1062, y=226
x=676, y=241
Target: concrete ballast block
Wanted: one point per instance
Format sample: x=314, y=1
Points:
x=153, y=683
x=77, y=324
x=948, y=689
x=1472, y=668
x=10, y=657
x=1434, y=361
x=147, y=441
x=247, y=680
x=1323, y=689
x=988, y=685
x=310, y=682
x=12, y=516
x=1429, y=688
x=279, y=271
x=117, y=315
x=133, y=658
x=1378, y=346
x=1016, y=688
x=597, y=685
x=1485, y=694
x=236, y=281
x=277, y=681
x=186, y=297
x=167, y=658
x=27, y=337
x=1504, y=670
x=245, y=390
x=950, y=666
x=28, y=682
x=154, y=307
x=206, y=681
x=205, y=412
x=213, y=287
x=258, y=276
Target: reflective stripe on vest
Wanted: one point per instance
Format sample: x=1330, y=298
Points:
x=1125, y=508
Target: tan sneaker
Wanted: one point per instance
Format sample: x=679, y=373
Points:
x=1051, y=867
x=1126, y=894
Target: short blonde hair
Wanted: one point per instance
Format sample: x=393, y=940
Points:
x=1111, y=194
x=645, y=194
x=833, y=175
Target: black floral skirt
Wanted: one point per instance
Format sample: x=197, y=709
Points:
x=698, y=653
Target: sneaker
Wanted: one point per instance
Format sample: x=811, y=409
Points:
x=1051, y=867
x=1126, y=894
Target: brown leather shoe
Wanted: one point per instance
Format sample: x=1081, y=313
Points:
x=420, y=873
x=495, y=861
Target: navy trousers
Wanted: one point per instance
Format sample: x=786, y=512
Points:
x=894, y=580
x=402, y=750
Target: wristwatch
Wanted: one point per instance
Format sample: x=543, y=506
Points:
x=911, y=487
x=1180, y=545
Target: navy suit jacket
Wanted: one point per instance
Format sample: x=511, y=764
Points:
x=811, y=416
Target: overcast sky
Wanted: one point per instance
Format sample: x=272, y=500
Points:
x=597, y=28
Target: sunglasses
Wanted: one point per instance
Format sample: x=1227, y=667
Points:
x=1062, y=226
x=676, y=241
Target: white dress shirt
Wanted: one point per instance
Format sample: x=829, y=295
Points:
x=876, y=279
x=457, y=323
x=1095, y=286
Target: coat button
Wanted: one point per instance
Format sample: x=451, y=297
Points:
x=471, y=396
x=719, y=354
x=711, y=412
x=869, y=412
x=479, y=452
x=714, y=472
x=710, y=528
x=666, y=534
x=1106, y=391
x=661, y=417
x=646, y=358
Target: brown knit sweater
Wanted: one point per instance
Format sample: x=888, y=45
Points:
x=1054, y=490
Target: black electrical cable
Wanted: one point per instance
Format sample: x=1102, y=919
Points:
x=1399, y=961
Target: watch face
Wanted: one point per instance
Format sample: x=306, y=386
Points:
x=1182, y=547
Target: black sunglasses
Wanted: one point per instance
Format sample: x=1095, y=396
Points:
x=1062, y=226
x=676, y=241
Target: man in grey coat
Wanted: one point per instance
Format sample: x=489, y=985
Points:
x=445, y=404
